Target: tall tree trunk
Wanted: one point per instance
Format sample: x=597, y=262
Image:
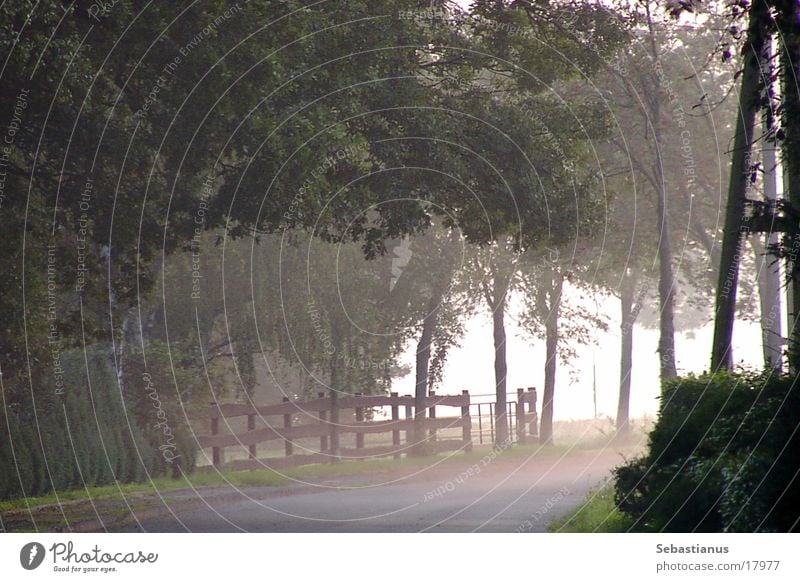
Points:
x=626, y=355
x=789, y=43
x=130, y=339
x=666, y=289
x=666, y=279
x=334, y=414
x=500, y=370
x=767, y=268
x=555, y=284
x=725, y=312
x=121, y=348
x=769, y=299
x=495, y=290
x=421, y=384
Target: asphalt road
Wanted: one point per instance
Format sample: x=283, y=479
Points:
x=498, y=495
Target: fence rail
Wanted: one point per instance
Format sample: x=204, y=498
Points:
x=320, y=419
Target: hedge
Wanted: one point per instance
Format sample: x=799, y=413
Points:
x=90, y=434
x=723, y=456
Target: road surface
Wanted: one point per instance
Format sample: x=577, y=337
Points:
x=490, y=495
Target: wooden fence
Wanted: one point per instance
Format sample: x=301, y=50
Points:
x=296, y=421
x=321, y=420
x=527, y=419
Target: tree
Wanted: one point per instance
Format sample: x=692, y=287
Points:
x=681, y=171
x=664, y=97
x=650, y=107
x=548, y=307
x=759, y=75
x=141, y=126
x=431, y=292
x=789, y=53
x=744, y=137
x=553, y=285
x=495, y=268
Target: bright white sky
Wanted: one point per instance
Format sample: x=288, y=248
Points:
x=471, y=367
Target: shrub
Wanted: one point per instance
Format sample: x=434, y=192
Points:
x=722, y=457
x=155, y=389
x=93, y=434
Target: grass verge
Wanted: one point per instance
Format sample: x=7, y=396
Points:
x=595, y=515
x=161, y=484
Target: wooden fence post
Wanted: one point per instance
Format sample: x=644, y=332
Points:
x=432, y=416
x=510, y=406
x=216, y=452
x=410, y=429
x=359, y=418
x=480, y=425
x=323, y=416
x=395, y=418
x=251, y=425
x=334, y=428
x=287, y=423
x=521, y=415
x=533, y=426
x=466, y=422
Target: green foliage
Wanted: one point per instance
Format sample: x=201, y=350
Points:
x=142, y=127
x=87, y=436
x=599, y=513
x=722, y=457
x=153, y=386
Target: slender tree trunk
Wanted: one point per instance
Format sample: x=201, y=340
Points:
x=421, y=384
x=767, y=267
x=769, y=299
x=128, y=338
x=334, y=413
x=725, y=312
x=423, y=361
x=551, y=351
x=556, y=284
x=496, y=287
x=666, y=279
x=500, y=371
x=626, y=356
x=789, y=43
x=666, y=290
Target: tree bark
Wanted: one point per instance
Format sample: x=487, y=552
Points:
x=725, y=312
x=710, y=245
x=626, y=356
x=496, y=295
x=335, y=380
x=421, y=384
x=769, y=299
x=767, y=267
x=556, y=284
x=666, y=290
x=789, y=42
x=666, y=279
x=500, y=371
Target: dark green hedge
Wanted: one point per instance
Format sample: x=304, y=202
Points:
x=91, y=434
x=723, y=456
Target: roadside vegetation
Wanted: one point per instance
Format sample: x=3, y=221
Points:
x=598, y=513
